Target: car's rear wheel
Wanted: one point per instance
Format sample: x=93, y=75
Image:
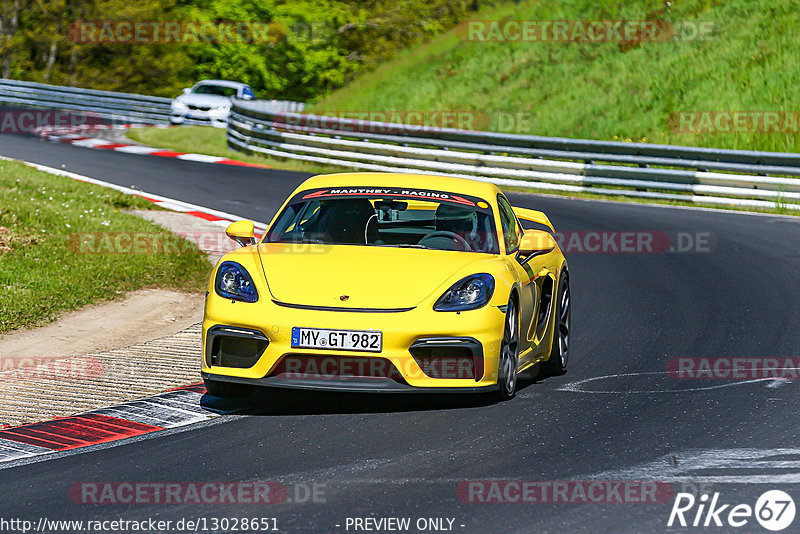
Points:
x=507, y=365
x=559, y=352
x=227, y=390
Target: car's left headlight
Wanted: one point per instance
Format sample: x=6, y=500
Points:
x=234, y=282
x=469, y=293
x=179, y=106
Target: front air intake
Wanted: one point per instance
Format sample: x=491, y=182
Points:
x=234, y=347
x=453, y=358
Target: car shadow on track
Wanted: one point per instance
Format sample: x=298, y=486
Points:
x=298, y=402
x=280, y=401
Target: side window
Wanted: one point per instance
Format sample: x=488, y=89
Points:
x=510, y=227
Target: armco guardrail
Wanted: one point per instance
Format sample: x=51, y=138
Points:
x=121, y=107
x=703, y=175
x=116, y=106
x=276, y=106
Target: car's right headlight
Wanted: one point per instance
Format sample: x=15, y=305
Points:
x=234, y=282
x=469, y=293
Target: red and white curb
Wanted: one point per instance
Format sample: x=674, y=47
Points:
x=55, y=131
x=77, y=136
x=172, y=409
x=219, y=218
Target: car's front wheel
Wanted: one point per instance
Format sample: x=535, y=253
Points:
x=507, y=365
x=559, y=352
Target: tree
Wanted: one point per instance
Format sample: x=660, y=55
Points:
x=316, y=46
x=9, y=24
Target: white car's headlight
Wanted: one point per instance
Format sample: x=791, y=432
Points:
x=179, y=106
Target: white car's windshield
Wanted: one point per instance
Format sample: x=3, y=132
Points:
x=387, y=218
x=219, y=90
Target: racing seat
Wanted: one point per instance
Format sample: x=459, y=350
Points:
x=460, y=221
x=346, y=221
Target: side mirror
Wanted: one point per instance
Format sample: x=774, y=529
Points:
x=247, y=97
x=243, y=232
x=187, y=90
x=535, y=243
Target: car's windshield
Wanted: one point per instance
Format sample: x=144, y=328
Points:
x=387, y=218
x=219, y=90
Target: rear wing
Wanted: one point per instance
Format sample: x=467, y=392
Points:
x=533, y=216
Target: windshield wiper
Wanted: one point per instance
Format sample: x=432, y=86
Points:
x=301, y=241
x=405, y=245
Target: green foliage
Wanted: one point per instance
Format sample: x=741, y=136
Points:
x=318, y=46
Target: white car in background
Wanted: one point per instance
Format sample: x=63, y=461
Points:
x=209, y=101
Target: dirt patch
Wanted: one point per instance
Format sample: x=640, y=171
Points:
x=141, y=316
x=15, y=239
x=5, y=239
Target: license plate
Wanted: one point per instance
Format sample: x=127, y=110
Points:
x=322, y=338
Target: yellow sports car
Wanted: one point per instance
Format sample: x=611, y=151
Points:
x=388, y=283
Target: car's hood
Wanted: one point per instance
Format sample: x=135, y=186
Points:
x=370, y=277
x=214, y=101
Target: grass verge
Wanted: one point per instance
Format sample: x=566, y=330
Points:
x=724, y=55
x=43, y=270
x=212, y=142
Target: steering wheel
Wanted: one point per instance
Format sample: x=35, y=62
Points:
x=451, y=236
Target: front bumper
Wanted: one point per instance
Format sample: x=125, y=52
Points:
x=218, y=119
x=350, y=385
x=422, y=350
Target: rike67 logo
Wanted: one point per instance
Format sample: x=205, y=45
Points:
x=774, y=510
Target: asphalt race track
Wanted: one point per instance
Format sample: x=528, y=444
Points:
x=615, y=416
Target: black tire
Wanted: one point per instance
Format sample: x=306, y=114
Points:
x=556, y=364
x=509, y=354
x=227, y=390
